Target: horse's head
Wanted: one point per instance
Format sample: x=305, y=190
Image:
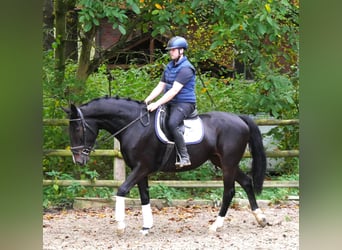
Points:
x=82, y=135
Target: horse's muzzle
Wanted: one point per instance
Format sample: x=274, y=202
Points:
x=80, y=159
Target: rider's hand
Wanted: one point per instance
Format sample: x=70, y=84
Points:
x=153, y=106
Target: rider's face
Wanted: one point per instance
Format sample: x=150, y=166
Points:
x=175, y=53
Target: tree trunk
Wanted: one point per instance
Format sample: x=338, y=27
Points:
x=84, y=60
x=87, y=66
x=71, y=50
x=61, y=10
x=48, y=25
x=60, y=14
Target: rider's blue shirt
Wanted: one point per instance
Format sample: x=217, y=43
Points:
x=187, y=93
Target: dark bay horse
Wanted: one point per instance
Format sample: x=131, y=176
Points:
x=225, y=139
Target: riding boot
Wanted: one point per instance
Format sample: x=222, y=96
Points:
x=184, y=158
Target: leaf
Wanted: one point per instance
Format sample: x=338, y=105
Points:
x=155, y=12
x=194, y=4
x=122, y=30
x=268, y=8
x=96, y=22
x=81, y=19
x=289, y=99
x=135, y=8
x=270, y=20
x=162, y=30
x=261, y=28
x=234, y=26
x=87, y=27
x=158, y=6
x=91, y=13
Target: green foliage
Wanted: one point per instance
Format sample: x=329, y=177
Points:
x=92, y=12
x=276, y=195
x=164, y=192
x=205, y=172
x=63, y=197
x=258, y=33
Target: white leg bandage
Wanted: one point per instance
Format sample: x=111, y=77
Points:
x=217, y=224
x=120, y=211
x=147, y=216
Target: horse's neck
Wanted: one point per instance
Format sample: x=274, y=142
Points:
x=113, y=117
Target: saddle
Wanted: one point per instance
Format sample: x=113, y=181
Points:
x=192, y=127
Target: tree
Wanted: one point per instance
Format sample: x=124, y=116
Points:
x=259, y=33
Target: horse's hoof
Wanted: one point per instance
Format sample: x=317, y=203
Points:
x=262, y=222
x=260, y=217
x=144, y=230
x=120, y=231
x=217, y=224
x=212, y=229
x=120, y=228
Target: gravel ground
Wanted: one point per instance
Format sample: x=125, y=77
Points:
x=174, y=228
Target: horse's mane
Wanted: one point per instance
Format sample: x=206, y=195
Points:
x=99, y=99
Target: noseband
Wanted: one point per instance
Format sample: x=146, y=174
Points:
x=85, y=149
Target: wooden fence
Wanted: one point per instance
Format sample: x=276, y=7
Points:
x=119, y=178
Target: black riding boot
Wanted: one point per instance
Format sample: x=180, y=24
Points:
x=181, y=149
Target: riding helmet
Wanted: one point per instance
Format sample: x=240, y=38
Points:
x=177, y=42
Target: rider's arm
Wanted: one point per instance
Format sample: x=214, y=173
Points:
x=155, y=92
x=176, y=87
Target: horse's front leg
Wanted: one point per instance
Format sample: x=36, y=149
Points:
x=134, y=177
x=145, y=206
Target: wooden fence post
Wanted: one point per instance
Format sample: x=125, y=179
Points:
x=119, y=167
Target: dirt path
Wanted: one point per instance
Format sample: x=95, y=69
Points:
x=174, y=228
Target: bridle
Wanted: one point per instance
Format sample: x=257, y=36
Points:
x=87, y=149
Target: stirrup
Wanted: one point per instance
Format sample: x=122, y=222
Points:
x=182, y=163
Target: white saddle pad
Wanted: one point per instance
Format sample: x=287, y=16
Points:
x=193, y=132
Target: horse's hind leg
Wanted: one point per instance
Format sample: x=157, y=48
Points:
x=228, y=194
x=246, y=183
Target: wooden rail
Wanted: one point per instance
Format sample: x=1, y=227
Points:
x=116, y=153
x=261, y=122
x=177, y=184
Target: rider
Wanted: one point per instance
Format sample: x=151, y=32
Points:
x=178, y=85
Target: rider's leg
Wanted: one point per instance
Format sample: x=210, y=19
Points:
x=181, y=148
x=178, y=112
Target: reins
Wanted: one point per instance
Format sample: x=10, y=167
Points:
x=104, y=139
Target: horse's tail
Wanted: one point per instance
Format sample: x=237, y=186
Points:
x=258, y=154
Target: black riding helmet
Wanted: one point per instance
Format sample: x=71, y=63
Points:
x=177, y=42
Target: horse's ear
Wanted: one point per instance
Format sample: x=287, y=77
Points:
x=73, y=111
x=66, y=110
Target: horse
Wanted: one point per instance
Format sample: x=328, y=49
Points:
x=226, y=137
